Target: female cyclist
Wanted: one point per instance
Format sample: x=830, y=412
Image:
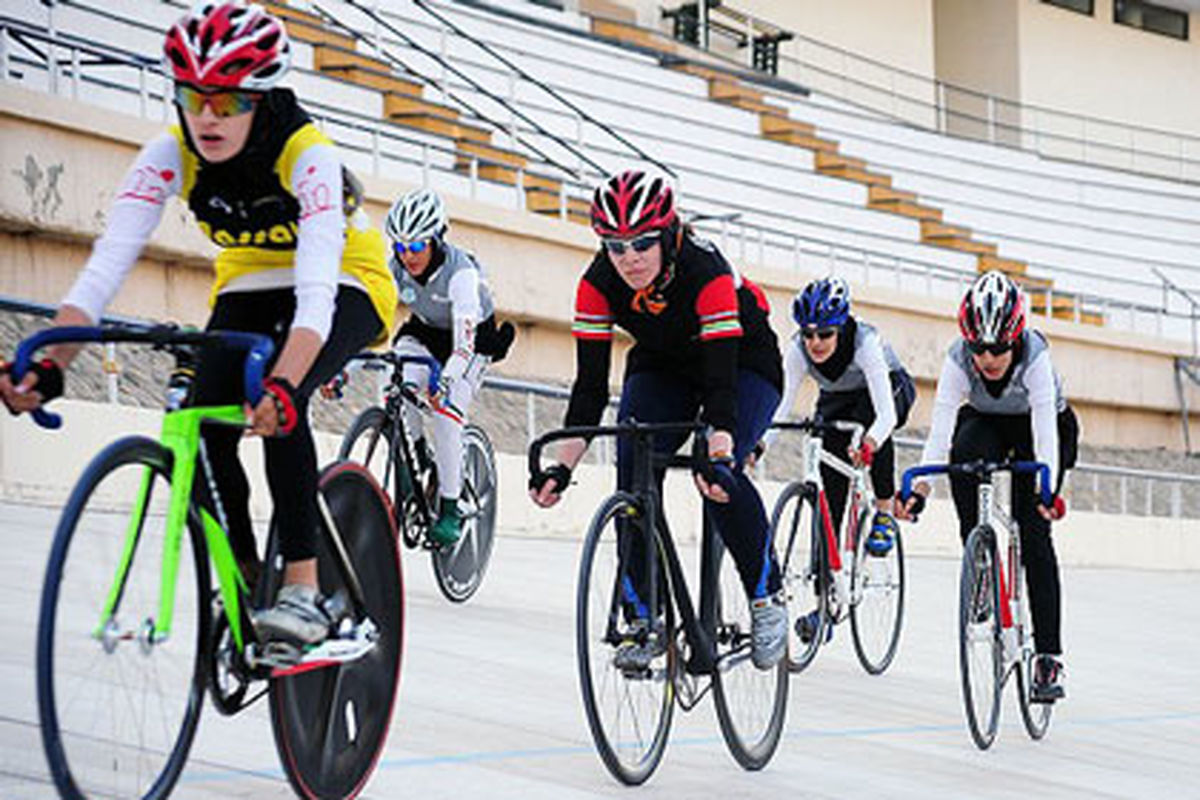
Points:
x=999, y=397
x=453, y=319
x=298, y=262
x=702, y=346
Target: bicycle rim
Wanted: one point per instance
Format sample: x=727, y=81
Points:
x=751, y=703
x=629, y=715
x=980, y=651
x=330, y=724
x=793, y=527
x=368, y=442
x=1036, y=716
x=877, y=607
x=460, y=568
x=119, y=709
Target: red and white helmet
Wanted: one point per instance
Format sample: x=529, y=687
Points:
x=992, y=310
x=632, y=203
x=228, y=46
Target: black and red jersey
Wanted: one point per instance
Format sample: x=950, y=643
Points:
x=705, y=323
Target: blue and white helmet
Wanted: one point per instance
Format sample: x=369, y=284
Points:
x=824, y=303
x=418, y=215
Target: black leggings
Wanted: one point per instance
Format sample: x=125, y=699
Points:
x=291, y=460
x=856, y=406
x=994, y=437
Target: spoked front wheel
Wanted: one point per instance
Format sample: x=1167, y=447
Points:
x=751, y=703
x=877, y=600
x=460, y=567
x=628, y=707
x=979, y=645
x=794, y=527
x=330, y=723
x=119, y=702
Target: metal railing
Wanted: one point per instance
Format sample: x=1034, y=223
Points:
x=963, y=112
x=774, y=246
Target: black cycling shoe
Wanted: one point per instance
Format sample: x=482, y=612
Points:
x=1047, y=676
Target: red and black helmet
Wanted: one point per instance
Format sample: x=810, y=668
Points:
x=228, y=45
x=992, y=311
x=632, y=203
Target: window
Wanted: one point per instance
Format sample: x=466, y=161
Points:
x=1082, y=6
x=1149, y=17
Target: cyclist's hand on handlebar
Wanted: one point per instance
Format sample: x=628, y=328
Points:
x=546, y=487
x=43, y=383
x=1056, y=511
x=714, y=476
x=911, y=508
x=865, y=453
x=335, y=387
x=275, y=414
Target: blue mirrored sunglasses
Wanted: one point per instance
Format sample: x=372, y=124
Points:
x=411, y=247
x=641, y=244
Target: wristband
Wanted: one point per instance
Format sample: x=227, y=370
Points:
x=283, y=393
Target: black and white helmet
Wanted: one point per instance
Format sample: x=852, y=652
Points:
x=417, y=215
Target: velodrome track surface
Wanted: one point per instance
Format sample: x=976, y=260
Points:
x=489, y=704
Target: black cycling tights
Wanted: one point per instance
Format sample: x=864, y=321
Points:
x=994, y=437
x=291, y=461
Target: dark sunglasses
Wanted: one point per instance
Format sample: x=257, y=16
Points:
x=412, y=247
x=821, y=333
x=979, y=348
x=641, y=244
x=223, y=104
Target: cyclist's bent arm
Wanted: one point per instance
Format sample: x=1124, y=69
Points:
x=1043, y=414
x=875, y=367
x=465, y=310
x=795, y=370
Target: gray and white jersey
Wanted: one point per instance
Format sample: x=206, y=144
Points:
x=1014, y=398
x=1034, y=388
x=435, y=301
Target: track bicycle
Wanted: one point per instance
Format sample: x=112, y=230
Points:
x=829, y=575
x=995, y=637
x=126, y=648
x=628, y=545
x=379, y=439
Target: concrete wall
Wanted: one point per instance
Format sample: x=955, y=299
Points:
x=38, y=466
x=1122, y=384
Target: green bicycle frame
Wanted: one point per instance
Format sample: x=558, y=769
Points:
x=181, y=436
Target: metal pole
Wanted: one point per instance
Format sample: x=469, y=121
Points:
x=702, y=16
x=111, y=370
x=474, y=177
x=375, y=151
x=143, y=94
x=75, y=68
x=425, y=165
x=4, y=49
x=991, y=118
x=530, y=418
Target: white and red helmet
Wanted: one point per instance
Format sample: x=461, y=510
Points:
x=228, y=45
x=992, y=311
x=632, y=203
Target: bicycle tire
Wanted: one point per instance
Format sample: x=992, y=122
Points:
x=90, y=654
x=331, y=724
x=1035, y=716
x=979, y=624
x=804, y=571
x=460, y=568
x=751, y=727
x=597, y=615
x=874, y=577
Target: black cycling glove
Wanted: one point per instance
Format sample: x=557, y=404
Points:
x=559, y=473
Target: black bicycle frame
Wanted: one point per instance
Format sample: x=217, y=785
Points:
x=700, y=630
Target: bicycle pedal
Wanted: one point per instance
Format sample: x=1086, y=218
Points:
x=279, y=654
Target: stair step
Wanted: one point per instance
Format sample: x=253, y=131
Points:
x=449, y=127
x=814, y=143
x=1008, y=266
x=725, y=90
x=1091, y=318
x=834, y=161
x=965, y=245
x=937, y=230
x=1033, y=284
x=699, y=70
x=405, y=105
x=544, y=202
x=317, y=34
x=772, y=124
x=632, y=34
x=362, y=70
x=764, y=109
x=881, y=195
x=488, y=154
x=856, y=175
x=907, y=209
x=288, y=13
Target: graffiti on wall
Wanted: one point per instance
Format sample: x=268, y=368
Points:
x=41, y=186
